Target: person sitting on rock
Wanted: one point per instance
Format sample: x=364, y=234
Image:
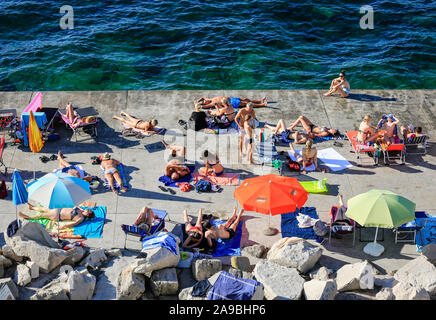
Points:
x=75, y=215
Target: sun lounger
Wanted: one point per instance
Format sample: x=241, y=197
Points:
x=394, y=152
x=132, y=230
x=409, y=228
x=358, y=149
x=413, y=144
x=82, y=112
x=338, y=228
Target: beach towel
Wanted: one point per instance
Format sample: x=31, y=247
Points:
x=155, y=147
x=289, y=224
x=160, y=131
x=173, y=183
x=230, y=287
x=283, y=138
x=120, y=169
x=161, y=239
x=225, y=179
x=228, y=247
x=426, y=232
x=87, y=229
x=329, y=157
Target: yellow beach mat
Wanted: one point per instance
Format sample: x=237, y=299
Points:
x=317, y=186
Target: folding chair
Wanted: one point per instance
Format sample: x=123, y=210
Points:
x=394, y=152
x=415, y=142
x=340, y=229
x=82, y=112
x=132, y=230
x=409, y=228
x=2, y=147
x=358, y=149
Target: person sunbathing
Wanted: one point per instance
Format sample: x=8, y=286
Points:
x=340, y=85
x=147, y=126
x=175, y=170
x=74, y=118
x=75, y=215
x=111, y=172
x=146, y=219
x=299, y=137
x=195, y=232
x=212, y=167
x=366, y=131
x=317, y=131
x=410, y=132
x=71, y=169
x=235, y=102
x=226, y=230
x=177, y=152
x=389, y=122
x=308, y=156
x=224, y=115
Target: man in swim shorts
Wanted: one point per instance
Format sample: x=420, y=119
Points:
x=235, y=102
x=71, y=169
x=248, y=141
x=226, y=230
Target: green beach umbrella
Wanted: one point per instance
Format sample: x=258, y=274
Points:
x=380, y=209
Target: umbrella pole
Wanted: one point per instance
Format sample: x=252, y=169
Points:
x=375, y=238
x=34, y=167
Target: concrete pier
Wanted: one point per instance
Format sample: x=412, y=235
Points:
x=414, y=180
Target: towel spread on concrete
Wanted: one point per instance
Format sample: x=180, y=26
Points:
x=225, y=179
x=167, y=181
x=330, y=157
x=120, y=169
x=289, y=224
x=228, y=247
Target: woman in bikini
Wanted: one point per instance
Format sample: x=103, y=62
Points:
x=74, y=118
x=195, y=232
x=147, y=126
x=340, y=85
x=299, y=137
x=223, y=231
x=111, y=173
x=366, y=131
x=212, y=164
x=75, y=215
x=308, y=156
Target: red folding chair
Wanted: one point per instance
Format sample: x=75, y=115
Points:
x=2, y=147
x=358, y=149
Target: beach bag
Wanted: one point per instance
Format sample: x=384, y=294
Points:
x=320, y=228
x=203, y=186
x=294, y=166
x=3, y=190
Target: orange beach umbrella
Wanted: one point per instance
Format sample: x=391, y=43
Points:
x=271, y=194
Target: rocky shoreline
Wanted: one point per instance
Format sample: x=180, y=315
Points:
x=34, y=267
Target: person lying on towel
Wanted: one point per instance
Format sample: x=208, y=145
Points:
x=299, y=137
x=226, y=230
x=224, y=114
x=147, y=126
x=74, y=118
x=308, y=156
x=175, y=170
x=146, y=219
x=75, y=215
x=212, y=167
x=66, y=167
x=235, y=102
x=110, y=172
x=195, y=232
x=176, y=152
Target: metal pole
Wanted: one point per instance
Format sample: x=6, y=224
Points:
x=375, y=239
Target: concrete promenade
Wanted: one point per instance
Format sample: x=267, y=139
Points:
x=415, y=180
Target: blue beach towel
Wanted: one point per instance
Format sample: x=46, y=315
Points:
x=161, y=239
x=229, y=247
x=92, y=228
x=167, y=181
x=289, y=224
x=426, y=232
x=230, y=287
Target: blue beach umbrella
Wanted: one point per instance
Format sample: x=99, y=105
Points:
x=19, y=192
x=59, y=190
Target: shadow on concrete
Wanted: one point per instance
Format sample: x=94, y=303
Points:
x=245, y=242
x=367, y=97
x=146, y=194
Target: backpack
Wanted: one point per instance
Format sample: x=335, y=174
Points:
x=203, y=186
x=294, y=166
x=3, y=190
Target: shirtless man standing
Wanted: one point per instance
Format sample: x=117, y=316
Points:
x=110, y=172
x=366, y=133
x=223, y=231
x=389, y=123
x=240, y=119
x=248, y=128
x=147, y=126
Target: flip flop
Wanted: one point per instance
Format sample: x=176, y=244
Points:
x=163, y=189
x=44, y=159
x=171, y=191
x=53, y=157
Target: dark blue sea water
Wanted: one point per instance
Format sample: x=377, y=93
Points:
x=189, y=44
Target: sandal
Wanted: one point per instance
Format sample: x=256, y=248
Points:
x=163, y=189
x=171, y=191
x=53, y=157
x=44, y=159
